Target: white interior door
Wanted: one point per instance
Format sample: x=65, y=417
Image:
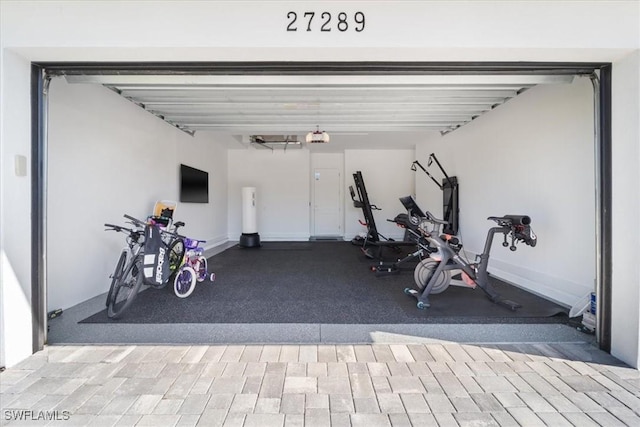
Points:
x=326, y=203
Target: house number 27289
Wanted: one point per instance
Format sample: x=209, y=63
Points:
x=325, y=22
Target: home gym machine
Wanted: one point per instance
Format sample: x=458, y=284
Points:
x=373, y=237
x=449, y=189
x=433, y=275
x=384, y=268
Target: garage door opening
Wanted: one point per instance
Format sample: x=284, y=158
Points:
x=239, y=74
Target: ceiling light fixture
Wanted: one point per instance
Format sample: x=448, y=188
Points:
x=317, y=136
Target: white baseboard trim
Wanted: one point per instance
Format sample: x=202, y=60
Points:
x=220, y=245
x=559, y=290
x=285, y=238
x=293, y=237
x=215, y=242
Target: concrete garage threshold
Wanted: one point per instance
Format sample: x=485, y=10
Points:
x=65, y=329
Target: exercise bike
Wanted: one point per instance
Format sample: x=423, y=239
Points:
x=433, y=275
x=423, y=249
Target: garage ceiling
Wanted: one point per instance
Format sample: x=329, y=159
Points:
x=297, y=104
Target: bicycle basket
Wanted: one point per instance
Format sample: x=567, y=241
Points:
x=190, y=243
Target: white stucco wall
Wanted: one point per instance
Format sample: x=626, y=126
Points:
x=387, y=177
x=15, y=206
x=534, y=156
x=108, y=157
x=281, y=179
x=625, y=212
x=255, y=31
x=283, y=187
x=395, y=30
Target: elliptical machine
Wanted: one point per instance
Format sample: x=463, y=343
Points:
x=433, y=275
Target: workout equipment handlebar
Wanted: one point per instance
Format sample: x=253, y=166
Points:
x=525, y=234
x=432, y=219
x=509, y=220
x=519, y=219
x=520, y=226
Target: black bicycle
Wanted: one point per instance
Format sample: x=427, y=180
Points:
x=127, y=278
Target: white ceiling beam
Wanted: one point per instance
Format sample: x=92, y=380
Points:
x=336, y=88
x=306, y=118
x=267, y=105
x=318, y=80
x=301, y=93
x=484, y=97
x=325, y=112
x=334, y=125
x=342, y=128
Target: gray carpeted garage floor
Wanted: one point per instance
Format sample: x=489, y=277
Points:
x=355, y=308
x=321, y=282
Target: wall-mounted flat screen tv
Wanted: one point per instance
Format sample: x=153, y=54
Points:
x=194, y=185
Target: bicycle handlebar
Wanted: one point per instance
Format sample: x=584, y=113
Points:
x=136, y=221
x=192, y=244
x=197, y=241
x=140, y=223
x=118, y=228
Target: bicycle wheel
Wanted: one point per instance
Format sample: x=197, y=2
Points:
x=117, y=274
x=126, y=289
x=185, y=282
x=176, y=254
x=202, y=269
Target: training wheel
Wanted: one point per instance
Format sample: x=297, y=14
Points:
x=422, y=305
x=212, y=277
x=407, y=291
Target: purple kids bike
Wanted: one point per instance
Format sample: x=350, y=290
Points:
x=192, y=270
